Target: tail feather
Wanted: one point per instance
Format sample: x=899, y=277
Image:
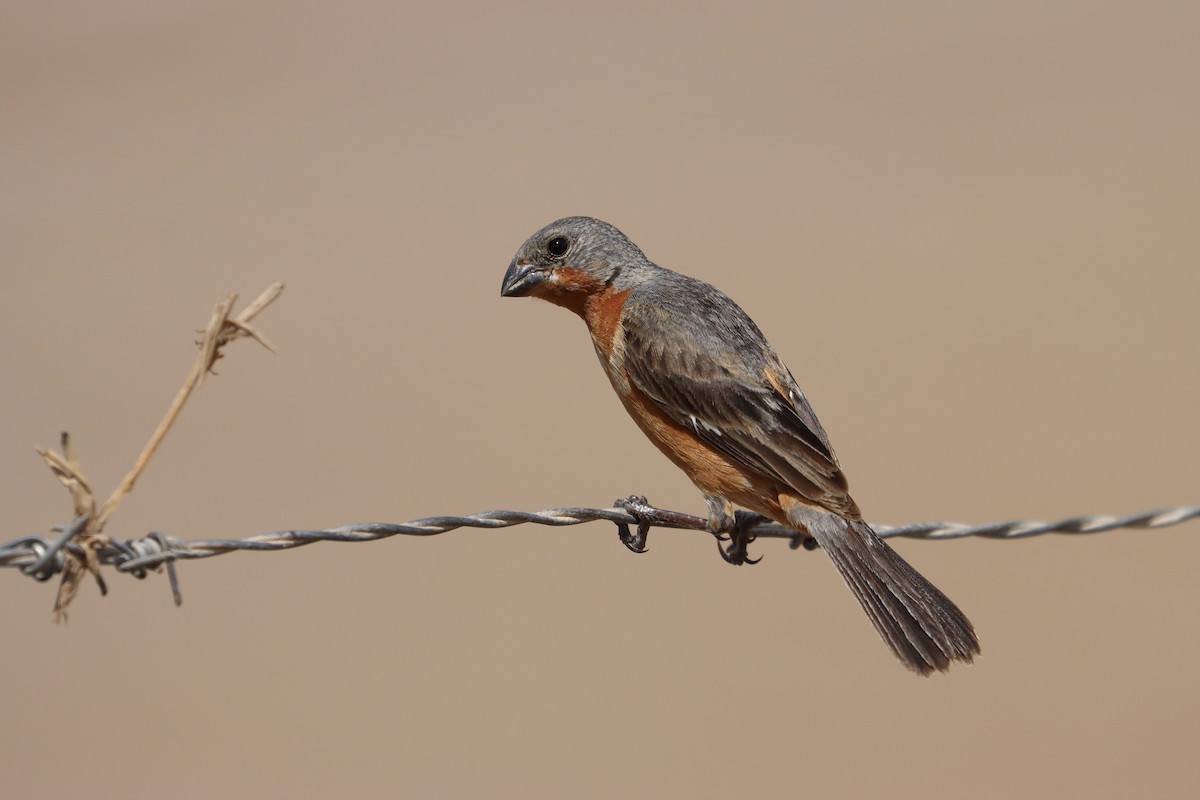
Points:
x=923, y=627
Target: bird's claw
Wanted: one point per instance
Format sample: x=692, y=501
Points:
x=737, y=553
x=634, y=505
x=739, y=537
x=636, y=542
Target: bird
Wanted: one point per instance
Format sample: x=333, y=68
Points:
x=702, y=382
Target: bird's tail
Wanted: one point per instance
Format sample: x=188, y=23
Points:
x=922, y=626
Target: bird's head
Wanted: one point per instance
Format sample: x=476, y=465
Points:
x=571, y=259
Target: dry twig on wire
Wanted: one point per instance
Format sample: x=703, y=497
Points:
x=86, y=534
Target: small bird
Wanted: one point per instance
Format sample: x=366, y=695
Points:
x=702, y=382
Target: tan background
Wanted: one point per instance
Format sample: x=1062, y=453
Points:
x=970, y=229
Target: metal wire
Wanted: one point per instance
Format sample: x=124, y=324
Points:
x=42, y=559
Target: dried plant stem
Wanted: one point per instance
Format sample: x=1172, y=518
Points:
x=221, y=330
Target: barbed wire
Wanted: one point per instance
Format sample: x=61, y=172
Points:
x=42, y=559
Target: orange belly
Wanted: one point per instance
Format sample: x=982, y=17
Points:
x=711, y=471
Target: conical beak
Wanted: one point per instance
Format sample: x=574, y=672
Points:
x=521, y=279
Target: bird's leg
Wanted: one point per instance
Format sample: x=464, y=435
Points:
x=733, y=527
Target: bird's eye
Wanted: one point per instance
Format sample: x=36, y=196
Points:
x=558, y=246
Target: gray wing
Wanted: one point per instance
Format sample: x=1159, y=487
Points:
x=706, y=364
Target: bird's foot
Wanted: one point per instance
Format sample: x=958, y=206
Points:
x=739, y=537
x=638, y=508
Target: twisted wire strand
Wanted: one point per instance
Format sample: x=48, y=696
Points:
x=42, y=559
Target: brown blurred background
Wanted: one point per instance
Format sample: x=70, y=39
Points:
x=970, y=229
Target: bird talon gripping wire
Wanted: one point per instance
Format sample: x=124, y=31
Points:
x=739, y=538
x=635, y=505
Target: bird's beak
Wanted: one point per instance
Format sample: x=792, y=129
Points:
x=521, y=279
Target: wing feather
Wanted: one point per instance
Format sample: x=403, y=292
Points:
x=707, y=366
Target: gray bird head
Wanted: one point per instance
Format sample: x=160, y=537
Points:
x=572, y=258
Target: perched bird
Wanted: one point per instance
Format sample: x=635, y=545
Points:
x=703, y=383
